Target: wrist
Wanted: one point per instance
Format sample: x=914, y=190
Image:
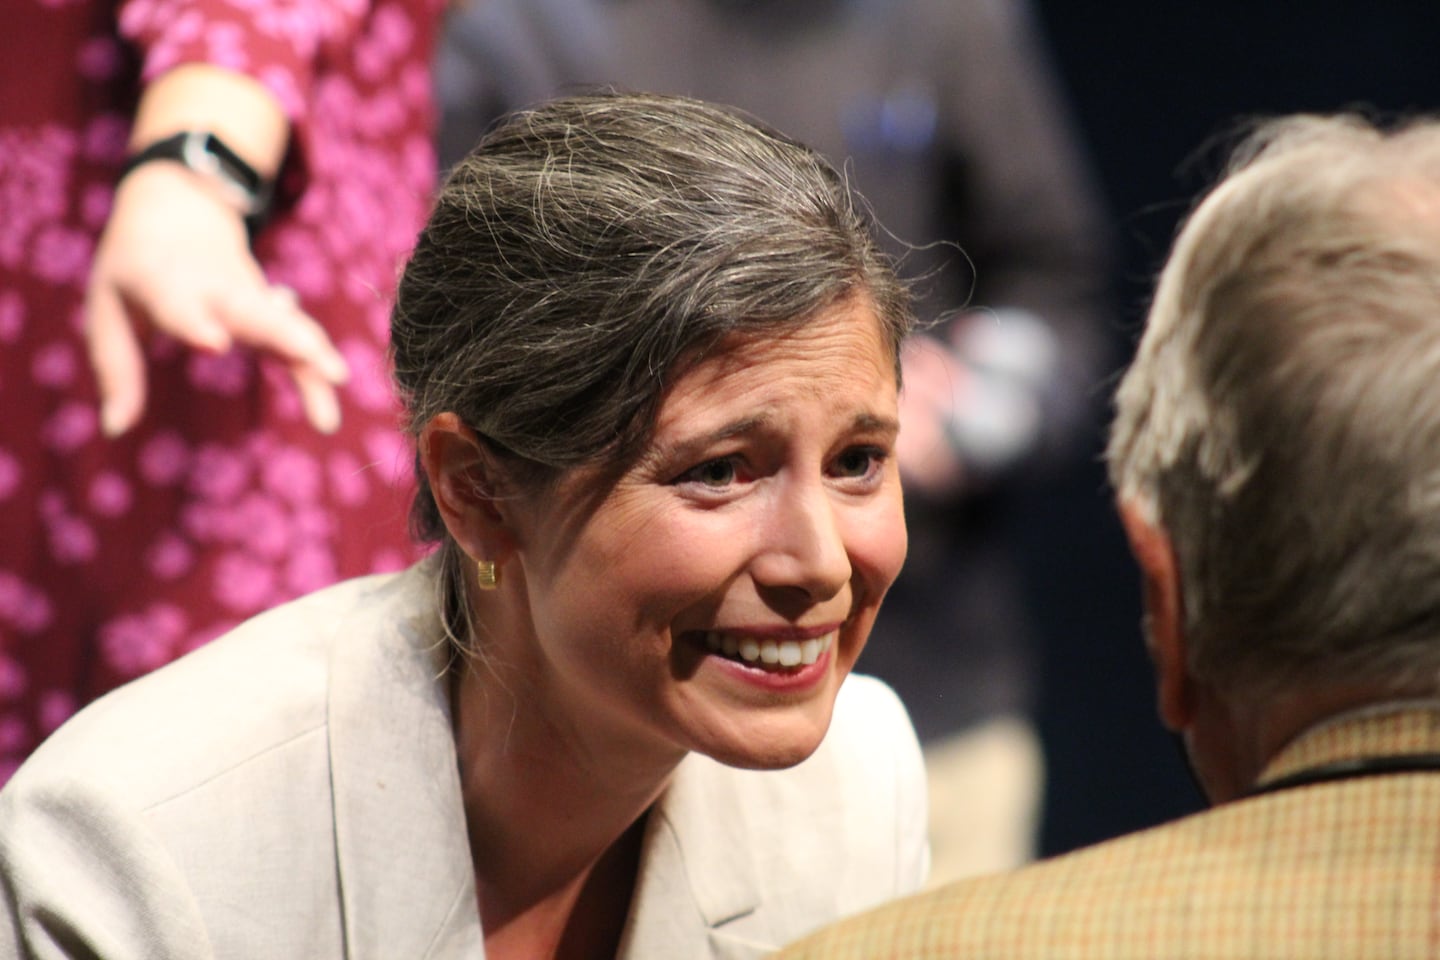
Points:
x=209, y=157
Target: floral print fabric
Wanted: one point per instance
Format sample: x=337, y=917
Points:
x=118, y=556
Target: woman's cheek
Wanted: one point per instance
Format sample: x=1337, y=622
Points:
x=880, y=541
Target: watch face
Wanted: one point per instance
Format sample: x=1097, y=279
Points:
x=207, y=153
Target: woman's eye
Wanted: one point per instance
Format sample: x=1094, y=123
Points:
x=712, y=473
x=858, y=462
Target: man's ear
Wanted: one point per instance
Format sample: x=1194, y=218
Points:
x=1164, y=616
x=467, y=485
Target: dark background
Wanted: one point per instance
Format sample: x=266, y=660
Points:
x=1150, y=82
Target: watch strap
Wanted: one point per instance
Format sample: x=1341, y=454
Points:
x=207, y=154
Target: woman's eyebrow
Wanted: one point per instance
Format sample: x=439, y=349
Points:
x=694, y=446
x=868, y=422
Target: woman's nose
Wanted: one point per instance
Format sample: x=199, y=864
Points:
x=802, y=546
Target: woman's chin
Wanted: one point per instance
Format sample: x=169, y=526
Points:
x=774, y=740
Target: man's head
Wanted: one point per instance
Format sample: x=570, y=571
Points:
x=1277, y=440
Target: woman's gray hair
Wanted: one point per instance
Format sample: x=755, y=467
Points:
x=590, y=247
x=1281, y=420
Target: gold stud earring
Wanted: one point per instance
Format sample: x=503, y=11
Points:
x=488, y=574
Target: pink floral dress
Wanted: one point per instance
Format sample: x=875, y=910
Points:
x=118, y=556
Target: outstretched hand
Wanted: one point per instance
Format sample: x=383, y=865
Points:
x=174, y=259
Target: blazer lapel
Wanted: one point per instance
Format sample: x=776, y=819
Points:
x=406, y=880
x=697, y=873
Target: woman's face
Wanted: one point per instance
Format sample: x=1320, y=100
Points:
x=714, y=598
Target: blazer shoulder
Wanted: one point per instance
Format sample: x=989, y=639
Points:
x=871, y=720
x=250, y=691
x=872, y=772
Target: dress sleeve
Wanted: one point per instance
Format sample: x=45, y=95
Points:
x=81, y=878
x=278, y=42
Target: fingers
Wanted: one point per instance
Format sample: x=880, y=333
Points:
x=317, y=398
x=121, y=304
x=265, y=318
x=270, y=319
x=117, y=359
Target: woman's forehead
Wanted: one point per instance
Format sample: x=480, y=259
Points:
x=826, y=327
x=838, y=344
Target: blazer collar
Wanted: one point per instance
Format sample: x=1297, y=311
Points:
x=697, y=870
x=406, y=879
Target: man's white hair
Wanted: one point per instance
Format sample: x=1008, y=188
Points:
x=1281, y=420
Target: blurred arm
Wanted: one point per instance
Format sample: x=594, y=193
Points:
x=1017, y=385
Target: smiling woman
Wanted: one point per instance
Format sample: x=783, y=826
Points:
x=648, y=351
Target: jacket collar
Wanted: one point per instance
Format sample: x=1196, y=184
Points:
x=1382, y=730
x=406, y=880
x=697, y=870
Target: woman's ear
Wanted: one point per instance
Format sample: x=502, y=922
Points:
x=1164, y=616
x=466, y=482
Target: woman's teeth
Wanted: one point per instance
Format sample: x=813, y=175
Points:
x=781, y=653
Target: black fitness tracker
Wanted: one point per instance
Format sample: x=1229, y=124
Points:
x=207, y=154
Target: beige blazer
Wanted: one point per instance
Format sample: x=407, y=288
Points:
x=290, y=791
x=1343, y=869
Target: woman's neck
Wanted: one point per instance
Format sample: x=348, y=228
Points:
x=582, y=920
x=555, y=817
